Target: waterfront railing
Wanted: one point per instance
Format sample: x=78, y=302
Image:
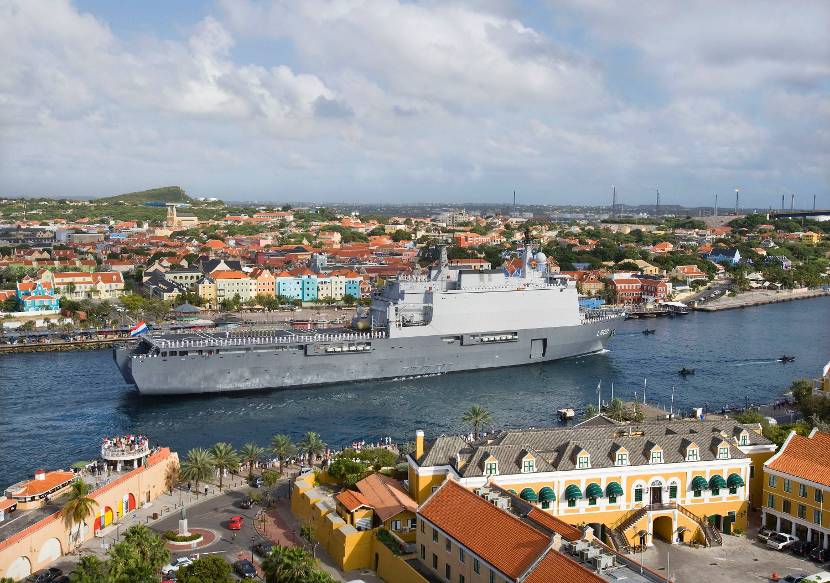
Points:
x=207, y=341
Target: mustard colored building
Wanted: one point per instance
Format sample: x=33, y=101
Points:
x=679, y=480
x=797, y=488
x=378, y=501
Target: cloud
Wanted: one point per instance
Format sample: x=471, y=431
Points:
x=419, y=100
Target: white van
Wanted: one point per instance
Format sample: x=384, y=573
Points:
x=820, y=577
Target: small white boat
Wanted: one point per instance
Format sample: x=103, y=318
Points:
x=566, y=413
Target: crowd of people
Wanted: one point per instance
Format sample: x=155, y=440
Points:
x=126, y=443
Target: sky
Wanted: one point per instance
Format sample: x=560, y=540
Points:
x=404, y=101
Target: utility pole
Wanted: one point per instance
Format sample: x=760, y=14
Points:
x=716, y=205
x=814, y=202
x=613, y=201
x=737, y=201
x=792, y=202
x=514, y=202
x=782, y=202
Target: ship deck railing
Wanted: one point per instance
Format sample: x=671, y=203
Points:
x=207, y=341
x=600, y=315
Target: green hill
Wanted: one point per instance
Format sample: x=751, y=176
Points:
x=163, y=194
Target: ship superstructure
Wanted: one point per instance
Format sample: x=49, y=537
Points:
x=449, y=320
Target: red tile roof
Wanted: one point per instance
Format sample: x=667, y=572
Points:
x=351, y=500
x=6, y=503
x=386, y=495
x=805, y=457
x=556, y=567
x=568, y=531
x=37, y=487
x=508, y=544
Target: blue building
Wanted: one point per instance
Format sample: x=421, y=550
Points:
x=33, y=297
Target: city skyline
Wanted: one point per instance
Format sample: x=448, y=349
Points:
x=420, y=102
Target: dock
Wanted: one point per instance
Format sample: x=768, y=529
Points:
x=762, y=297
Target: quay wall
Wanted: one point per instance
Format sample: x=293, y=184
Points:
x=759, y=298
x=37, y=546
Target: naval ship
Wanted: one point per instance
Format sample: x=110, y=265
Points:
x=448, y=320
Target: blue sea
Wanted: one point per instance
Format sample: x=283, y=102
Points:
x=56, y=407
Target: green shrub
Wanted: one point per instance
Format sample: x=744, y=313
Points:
x=175, y=537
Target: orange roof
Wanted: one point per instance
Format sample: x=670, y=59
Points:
x=6, y=503
x=108, y=277
x=556, y=567
x=227, y=274
x=568, y=531
x=805, y=457
x=38, y=487
x=351, y=500
x=385, y=495
x=508, y=544
x=215, y=244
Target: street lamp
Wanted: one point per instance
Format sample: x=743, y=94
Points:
x=253, y=540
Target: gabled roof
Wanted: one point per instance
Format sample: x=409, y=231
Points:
x=556, y=567
x=386, y=495
x=351, y=500
x=507, y=543
x=805, y=457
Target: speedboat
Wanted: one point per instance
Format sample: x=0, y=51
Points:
x=686, y=371
x=785, y=359
x=647, y=332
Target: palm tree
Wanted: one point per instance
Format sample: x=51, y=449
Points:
x=198, y=466
x=250, y=454
x=172, y=476
x=616, y=410
x=224, y=458
x=476, y=416
x=312, y=445
x=287, y=565
x=283, y=448
x=149, y=546
x=78, y=507
x=90, y=569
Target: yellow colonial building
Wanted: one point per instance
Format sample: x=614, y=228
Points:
x=796, y=486
x=679, y=480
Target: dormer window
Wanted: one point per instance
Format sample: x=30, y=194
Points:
x=528, y=465
x=583, y=460
x=723, y=452
x=692, y=454
x=491, y=468
x=657, y=456
x=744, y=438
x=622, y=458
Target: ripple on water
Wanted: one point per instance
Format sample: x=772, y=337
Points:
x=54, y=408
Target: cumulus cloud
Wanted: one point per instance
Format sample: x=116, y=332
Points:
x=420, y=100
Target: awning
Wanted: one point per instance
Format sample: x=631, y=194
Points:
x=613, y=489
x=717, y=481
x=593, y=491
x=547, y=494
x=734, y=481
x=529, y=495
x=700, y=483
x=512, y=491
x=573, y=492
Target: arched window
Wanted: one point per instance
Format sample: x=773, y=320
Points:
x=638, y=493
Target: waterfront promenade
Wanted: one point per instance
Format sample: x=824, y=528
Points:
x=761, y=297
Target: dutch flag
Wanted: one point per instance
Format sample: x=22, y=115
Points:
x=138, y=329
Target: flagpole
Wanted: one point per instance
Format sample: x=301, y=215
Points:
x=645, y=384
x=612, y=390
x=599, y=397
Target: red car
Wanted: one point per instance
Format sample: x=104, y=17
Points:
x=235, y=523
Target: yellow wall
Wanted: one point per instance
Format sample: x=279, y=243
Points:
x=404, y=517
x=420, y=487
x=756, y=483
x=796, y=499
x=393, y=568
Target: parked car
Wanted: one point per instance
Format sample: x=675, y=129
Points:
x=764, y=534
x=820, y=555
x=256, y=481
x=263, y=549
x=820, y=577
x=245, y=503
x=780, y=541
x=793, y=579
x=245, y=569
x=803, y=548
x=175, y=565
x=44, y=575
x=235, y=523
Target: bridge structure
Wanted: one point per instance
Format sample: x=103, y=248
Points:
x=815, y=215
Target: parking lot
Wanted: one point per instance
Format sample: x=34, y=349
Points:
x=738, y=560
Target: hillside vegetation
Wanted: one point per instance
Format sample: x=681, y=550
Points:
x=163, y=194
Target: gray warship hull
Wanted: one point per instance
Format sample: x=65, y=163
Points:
x=299, y=361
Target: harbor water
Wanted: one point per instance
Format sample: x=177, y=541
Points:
x=56, y=407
